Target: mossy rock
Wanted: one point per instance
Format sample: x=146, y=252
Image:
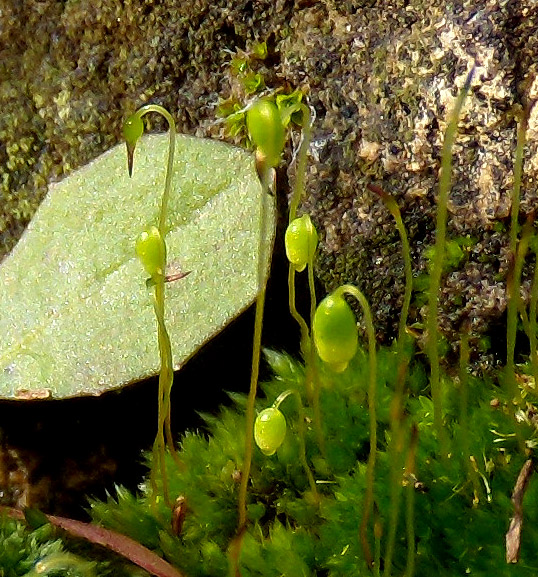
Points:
x=381, y=77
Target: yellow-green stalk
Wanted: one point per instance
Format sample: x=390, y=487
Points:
x=267, y=134
x=335, y=337
x=437, y=265
x=151, y=249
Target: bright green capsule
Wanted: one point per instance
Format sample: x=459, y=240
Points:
x=133, y=128
x=301, y=241
x=151, y=251
x=266, y=130
x=269, y=430
x=335, y=332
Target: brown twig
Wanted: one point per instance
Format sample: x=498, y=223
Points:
x=121, y=544
x=513, y=535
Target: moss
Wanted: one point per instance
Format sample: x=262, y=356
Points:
x=29, y=551
x=460, y=518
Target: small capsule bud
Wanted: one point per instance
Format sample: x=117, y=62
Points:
x=269, y=430
x=301, y=241
x=151, y=251
x=335, y=332
x=266, y=130
x=133, y=128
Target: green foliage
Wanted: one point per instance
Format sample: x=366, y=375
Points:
x=455, y=253
x=460, y=521
x=235, y=113
x=259, y=50
x=251, y=81
x=290, y=107
x=235, y=117
x=26, y=552
x=22, y=548
x=460, y=524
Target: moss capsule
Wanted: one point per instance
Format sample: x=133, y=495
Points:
x=266, y=130
x=269, y=430
x=133, y=128
x=301, y=241
x=151, y=251
x=335, y=332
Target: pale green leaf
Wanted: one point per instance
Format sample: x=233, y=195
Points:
x=76, y=316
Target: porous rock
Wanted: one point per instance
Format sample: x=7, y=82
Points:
x=383, y=83
x=381, y=76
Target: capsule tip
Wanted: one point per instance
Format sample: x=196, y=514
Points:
x=130, y=158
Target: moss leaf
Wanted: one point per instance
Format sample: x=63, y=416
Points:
x=76, y=316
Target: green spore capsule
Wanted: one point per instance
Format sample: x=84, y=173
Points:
x=151, y=251
x=133, y=128
x=301, y=241
x=266, y=130
x=269, y=430
x=335, y=332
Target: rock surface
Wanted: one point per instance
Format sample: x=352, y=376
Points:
x=382, y=78
x=383, y=84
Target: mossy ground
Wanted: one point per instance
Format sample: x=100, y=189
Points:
x=461, y=513
x=41, y=550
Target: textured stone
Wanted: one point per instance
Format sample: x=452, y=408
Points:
x=381, y=76
x=383, y=83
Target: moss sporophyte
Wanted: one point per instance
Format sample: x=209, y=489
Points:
x=151, y=250
x=267, y=134
x=377, y=467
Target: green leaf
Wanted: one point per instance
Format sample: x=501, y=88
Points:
x=76, y=317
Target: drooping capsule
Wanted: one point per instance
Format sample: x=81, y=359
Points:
x=335, y=332
x=151, y=251
x=266, y=131
x=269, y=430
x=301, y=241
x=133, y=128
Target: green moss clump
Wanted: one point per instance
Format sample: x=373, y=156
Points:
x=461, y=515
x=22, y=548
x=43, y=551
